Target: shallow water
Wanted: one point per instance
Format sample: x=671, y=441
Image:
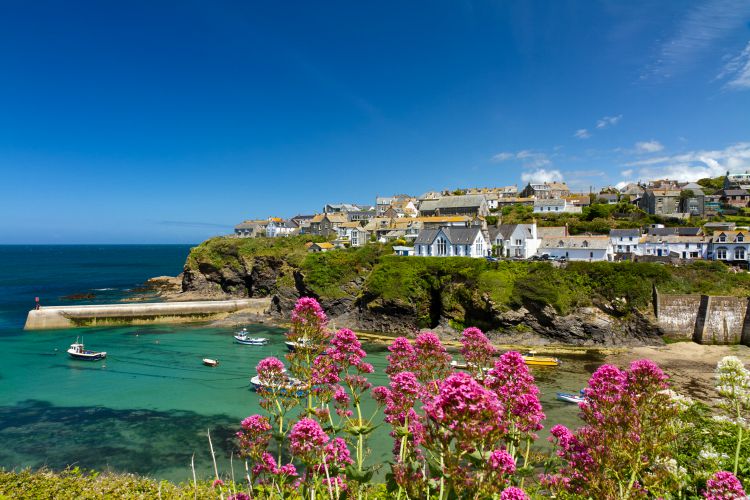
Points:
x=147, y=407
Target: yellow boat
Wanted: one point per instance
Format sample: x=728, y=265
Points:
x=531, y=359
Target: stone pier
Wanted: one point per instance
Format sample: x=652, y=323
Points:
x=55, y=317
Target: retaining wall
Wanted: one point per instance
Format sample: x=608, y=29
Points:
x=705, y=319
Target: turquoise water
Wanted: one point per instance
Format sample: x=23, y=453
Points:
x=147, y=407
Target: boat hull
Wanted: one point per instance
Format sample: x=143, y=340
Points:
x=540, y=361
x=245, y=341
x=88, y=356
x=570, y=398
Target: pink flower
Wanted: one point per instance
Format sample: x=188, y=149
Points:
x=307, y=311
x=513, y=493
x=306, y=439
x=502, y=462
x=256, y=424
x=513, y=383
x=324, y=371
x=217, y=482
x=723, y=486
x=465, y=410
x=270, y=370
x=254, y=436
x=476, y=349
x=239, y=496
x=403, y=357
x=341, y=397
x=337, y=454
x=433, y=362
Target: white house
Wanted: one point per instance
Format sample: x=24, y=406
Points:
x=625, y=241
x=278, y=227
x=732, y=247
x=587, y=248
x=523, y=242
x=451, y=242
x=674, y=245
x=555, y=206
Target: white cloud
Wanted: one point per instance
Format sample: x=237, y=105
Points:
x=528, y=157
x=542, y=175
x=503, y=156
x=694, y=165
x=648, y=147
x=582, y=133
x=698, y=31
x=627, y=173
x=608, y=121
x=737, y=70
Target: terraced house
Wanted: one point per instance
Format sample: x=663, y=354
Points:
x=732, y=247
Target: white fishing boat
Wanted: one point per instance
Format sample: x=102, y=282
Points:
x=79, y=351
x=290, y=385
x=292, y=345
x=242, y=338
x=210, y=362
x=570, y=397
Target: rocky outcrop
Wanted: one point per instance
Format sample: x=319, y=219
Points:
x=445, y=309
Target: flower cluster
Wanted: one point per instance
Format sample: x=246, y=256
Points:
x=477, y=351
x=723, y=486
x=630, y=425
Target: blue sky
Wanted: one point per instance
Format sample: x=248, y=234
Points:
x=172, y=121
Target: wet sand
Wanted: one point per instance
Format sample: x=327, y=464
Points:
x=690, y=366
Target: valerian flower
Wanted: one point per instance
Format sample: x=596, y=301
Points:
x=724, y=486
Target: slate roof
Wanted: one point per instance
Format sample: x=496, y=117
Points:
x=682, y=231
x=587, y=242
x=505, y=230
x=624, y=233
x=551, y=232
x=455, y=235
x=467, y=200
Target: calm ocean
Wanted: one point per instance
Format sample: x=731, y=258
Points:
x=147, y=407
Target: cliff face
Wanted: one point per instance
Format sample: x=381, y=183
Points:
x=443, y=305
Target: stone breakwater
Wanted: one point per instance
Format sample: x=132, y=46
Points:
x=48, y=318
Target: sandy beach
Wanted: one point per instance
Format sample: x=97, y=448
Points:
x=691, y=366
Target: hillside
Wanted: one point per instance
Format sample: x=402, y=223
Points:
x=370, y=289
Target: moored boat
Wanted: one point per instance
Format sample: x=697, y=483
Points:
x=242, y=338
x=292, y=345
x=290, y=385
x=210, y=362
x=531, y=359
x=570, y=397
x=79, y=351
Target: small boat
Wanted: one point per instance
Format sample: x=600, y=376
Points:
x=531, y=359
x=292, y=345
x=210, y=362
x=290, y=386
x=78, y=351
x=459, y=366
x=242, y=338
x=570, y=397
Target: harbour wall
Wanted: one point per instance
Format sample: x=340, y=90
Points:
x=47, y=318
x=706, y=319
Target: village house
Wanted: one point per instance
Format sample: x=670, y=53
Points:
x=505, y=202
x=555, y=206
x=661, y=202
x=737, y=180
x=580, y=200
x=546, y=190
x=251, y=229
x=522, y=242
x=692, y=199
x=632, y=192
x=451, y=242
x=471, y=205
x=675, y=246
x=577, y=248
x=327, y=224
x=608, y=198
x=734, y=198
x=624, y=242
x=732, y=247
x=279, y=227
x=319, y=247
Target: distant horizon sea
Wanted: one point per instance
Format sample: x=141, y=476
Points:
x=147, y=407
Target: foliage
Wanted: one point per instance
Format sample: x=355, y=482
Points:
x=229, y=251
x=327, y=272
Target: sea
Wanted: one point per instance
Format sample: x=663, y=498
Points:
x=149, y=407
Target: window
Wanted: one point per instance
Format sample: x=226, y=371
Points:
x=739, y=254
x=585, y=244
x=722, y=237
x=518, y=243
x=687, y=245
x=442, y=246
x=740, y=237
x=479, y=249
x=721, y=253
x=560, y=244
x=591, y=255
